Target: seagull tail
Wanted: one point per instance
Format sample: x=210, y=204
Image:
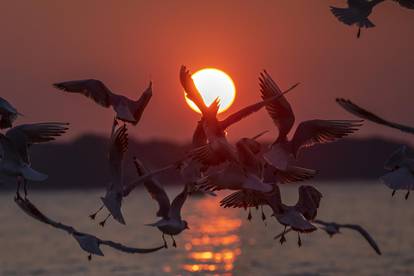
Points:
x=33, y=175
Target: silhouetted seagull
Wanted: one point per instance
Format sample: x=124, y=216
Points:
x=16, y=143
x=126, y=110
x=297, y=217
x=333, y=228
x=8, y=114
x=307, y=134
x=401, y=175
x=114, y=192
x=88, y=243
x=218, y=149
x=367, y=115
x=358, y=12
x=171, y=222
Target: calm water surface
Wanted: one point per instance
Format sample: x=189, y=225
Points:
x=220, y=241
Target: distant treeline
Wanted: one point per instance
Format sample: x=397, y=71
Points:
x=83, y=162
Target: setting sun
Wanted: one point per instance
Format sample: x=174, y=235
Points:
x=213, y=83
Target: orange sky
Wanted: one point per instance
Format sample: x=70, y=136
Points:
x=127, y=43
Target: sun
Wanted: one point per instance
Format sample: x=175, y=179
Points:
x=213, y=83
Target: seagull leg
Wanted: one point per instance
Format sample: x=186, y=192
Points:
x=393, y=192
x=299, y=240
x=93, y=216
x=102, y=223
x=407, y=194
x=165, y=242
x=359, y=32
x=90, y=257
x=174, y=243
x=25, y=188
x=249, y=216
x=18, y=186
x=283, y=238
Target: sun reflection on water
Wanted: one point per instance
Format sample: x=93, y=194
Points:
x=213, y=244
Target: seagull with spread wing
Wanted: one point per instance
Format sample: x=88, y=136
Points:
x=401, y=172
x=298, y=216
x=126, y=110
x=16, y=144
x=358, y=12
x=8, y=114
x=333, y=228
x=114, y=192
x=367, y=115
x=307, y=134
x=218, y=149
x=171, y=222
x=89, y=243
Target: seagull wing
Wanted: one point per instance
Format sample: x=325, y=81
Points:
x=314, y=132
x=199, y=136
x=117, y=150
x=177, y=204
x=290, y=175
x=243, y=199
x=91, y=88
x=365, y=234
x=155, y=189
x=308, y=203
x=245, y=112
x=8, y=114
x=191, y=90
x=138, y=107
x=127, y=249
x=367, y=115
x=406, y=3
x=280, y=111
x=25, y=135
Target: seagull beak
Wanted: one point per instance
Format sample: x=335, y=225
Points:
x=186, y=227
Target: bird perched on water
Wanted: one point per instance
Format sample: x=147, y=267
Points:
x=171, y=222
x=367, y=115
x=8, y=114
x=358, y=12
x=401, y=175
x=307, y=134
x=114, y=191
x=16, y=144
x=126, y=110
x=89, y=243
x=218, y=149
x=333, y=228
x=298, y=216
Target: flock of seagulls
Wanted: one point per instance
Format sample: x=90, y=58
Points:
x=254, y=173
x=358, y=11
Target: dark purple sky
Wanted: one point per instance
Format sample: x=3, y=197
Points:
x=127, y=43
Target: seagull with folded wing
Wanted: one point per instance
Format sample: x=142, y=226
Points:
x=358, y=11
x=171, y=222
x=16, y=144
x=8, y=114
x=126, y=110
x=88, y=243
x=283, y=151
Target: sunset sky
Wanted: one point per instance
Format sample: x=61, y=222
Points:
x=128, y=43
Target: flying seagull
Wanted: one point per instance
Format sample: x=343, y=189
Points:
x=126, y=110
x=401, y=176
x=333, y=228
x=16, y=145
x=367, y=115
x=307, y=134
x=218, y=148
x=171, y=222
x=8, y=114
x=114, y=191
x=298, y=216
x=358, y=12
x=89, y=243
